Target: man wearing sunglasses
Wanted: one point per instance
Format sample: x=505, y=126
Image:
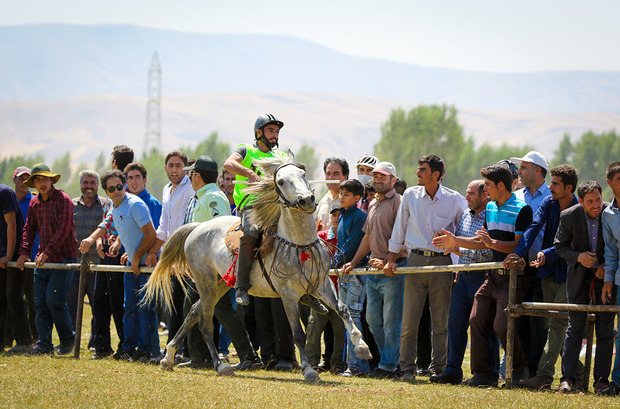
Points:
x=132, y=220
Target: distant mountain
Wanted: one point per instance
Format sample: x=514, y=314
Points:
x=342, y=125
x=49, y=62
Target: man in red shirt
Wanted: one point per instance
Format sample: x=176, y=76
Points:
x=50, y=214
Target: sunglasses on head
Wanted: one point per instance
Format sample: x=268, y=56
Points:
x=118, y=187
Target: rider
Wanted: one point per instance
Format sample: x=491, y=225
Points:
x=241, y=163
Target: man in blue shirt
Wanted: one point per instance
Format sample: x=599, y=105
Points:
x=136, y=184
x=132, y=220
x=532, y=330
x=611, y=232
x=551, y=268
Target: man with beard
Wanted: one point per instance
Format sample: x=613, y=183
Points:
x=175, y=196
x=384, y=292
x=87, y=214
x=228, y=187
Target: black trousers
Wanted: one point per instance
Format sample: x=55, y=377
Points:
x=274, y=331
x=12, y=305
x=108, y=300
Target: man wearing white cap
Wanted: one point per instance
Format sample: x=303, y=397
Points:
x=533, y=332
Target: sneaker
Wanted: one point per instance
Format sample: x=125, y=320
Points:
x=65, y=348
x=480, y=380
x=383, y=374
x=351, y=372
x=612, y=390
x=122, y=355
x=224, y=358
x=252, y=364
x=242, y=296
x=19, y=349
x=141, y=356
x=155, y=360
x=40, y=351
x=445, y=378
x=424, y=372
x=535, y=383
x=568, y=386
x=408, y=376
x=103, y=354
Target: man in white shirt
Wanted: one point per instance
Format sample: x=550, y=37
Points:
x=425, y=210
x=175, y=196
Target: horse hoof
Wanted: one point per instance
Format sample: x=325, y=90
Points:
x=225, y=370
x=166, y=365
x=311, y=376
x=362, y=352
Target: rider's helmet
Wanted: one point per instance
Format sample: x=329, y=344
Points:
x=261, y=122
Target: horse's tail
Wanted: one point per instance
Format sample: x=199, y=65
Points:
x=171, y=263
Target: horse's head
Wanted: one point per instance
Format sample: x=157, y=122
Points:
x=293, y=189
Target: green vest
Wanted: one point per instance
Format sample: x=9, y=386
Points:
x=253, y=153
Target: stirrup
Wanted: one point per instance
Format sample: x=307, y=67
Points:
x=242, y=297
x=314, y=303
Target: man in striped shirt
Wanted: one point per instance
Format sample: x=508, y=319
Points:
x=506, y=220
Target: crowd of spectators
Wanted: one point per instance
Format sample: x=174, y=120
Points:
x=416, y=324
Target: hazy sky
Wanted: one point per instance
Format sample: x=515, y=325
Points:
x=492, y=35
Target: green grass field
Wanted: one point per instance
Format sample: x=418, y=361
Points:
x=64, y=382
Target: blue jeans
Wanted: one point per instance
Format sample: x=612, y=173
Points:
x=50, y=294
x=458, y=323
x=384, y=314
x=352, y=292
x=139, y=321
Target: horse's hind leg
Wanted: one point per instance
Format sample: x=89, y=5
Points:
x=206, y=327
x=191, y=319
x=291, y=306
x=327, y=293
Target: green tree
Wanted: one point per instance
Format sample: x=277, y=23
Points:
x=309, y=157
x=212, y=146
x=434, y=129
x=591, y=155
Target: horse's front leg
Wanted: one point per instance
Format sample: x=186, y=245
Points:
x=291, y=306
x=327, y=293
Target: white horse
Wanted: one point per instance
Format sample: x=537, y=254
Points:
x=297, y=265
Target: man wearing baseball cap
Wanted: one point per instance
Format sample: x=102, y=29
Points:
x=51, y=216
x=532, y=171
x=384, y=292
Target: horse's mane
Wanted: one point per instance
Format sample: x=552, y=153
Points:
x=266, y=210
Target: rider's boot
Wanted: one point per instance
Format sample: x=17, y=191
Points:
x=244, y=266
x=314, y=303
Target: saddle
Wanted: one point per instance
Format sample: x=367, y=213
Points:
x=264, y=244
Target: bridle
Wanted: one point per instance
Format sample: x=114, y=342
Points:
x=281, y=198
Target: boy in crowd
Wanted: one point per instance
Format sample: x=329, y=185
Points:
x=352, y=288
